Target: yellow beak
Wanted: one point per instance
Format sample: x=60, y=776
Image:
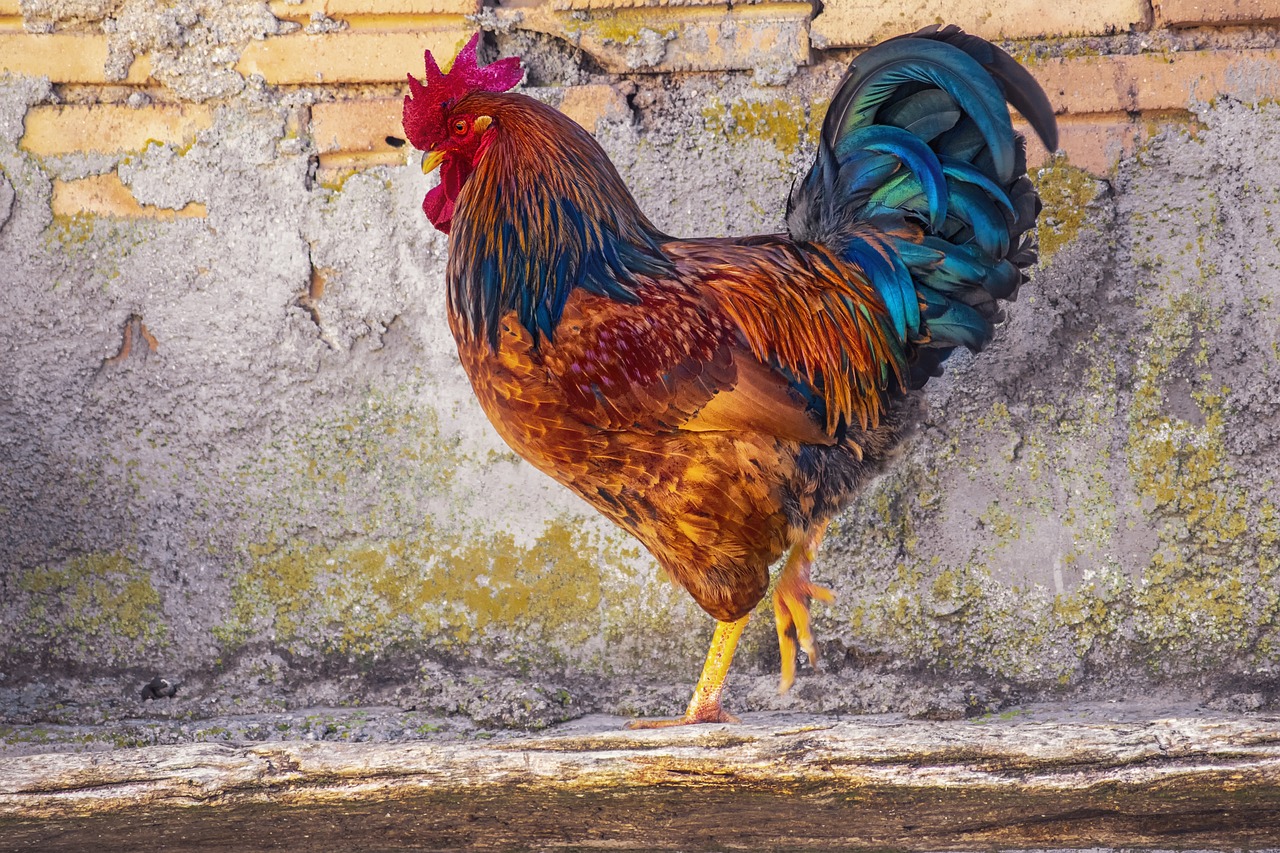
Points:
x=431, y=161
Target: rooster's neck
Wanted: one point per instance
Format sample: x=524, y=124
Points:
x=543, y=213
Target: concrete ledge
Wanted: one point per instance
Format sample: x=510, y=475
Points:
x=784, y=781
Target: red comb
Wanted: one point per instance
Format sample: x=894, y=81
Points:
x=425, y=105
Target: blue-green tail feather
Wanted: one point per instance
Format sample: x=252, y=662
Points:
x=918, y=147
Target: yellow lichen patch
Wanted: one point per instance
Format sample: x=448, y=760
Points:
x=785, y=123
x=98, y=243
x=1001, y=524
x=1095, y=612
x=97, y=607
x=402, y=556
x=1065, y=192
x=1206, y=590
x=441, y=587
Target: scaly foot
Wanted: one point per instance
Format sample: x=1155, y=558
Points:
x=705, y=706
x=791, y=598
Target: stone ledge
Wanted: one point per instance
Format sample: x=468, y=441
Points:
x=803, y=782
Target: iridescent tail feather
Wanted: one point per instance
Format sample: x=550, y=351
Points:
x=918, y=144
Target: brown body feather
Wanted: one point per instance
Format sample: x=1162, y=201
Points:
x=668, y=416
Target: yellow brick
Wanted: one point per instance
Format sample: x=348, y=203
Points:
x=106, y=195
x=110, y=129
x=351, y=57
x=686, y=38
x=350, y=126
x=10, y=16
x=354, y=161
x=63, y=58
x=1188, y=13
x=845, y=23
x=1104, y=84
x=587, y=105
x=296, y=11
x=1093, y=143
x=371, y=9
x=353, y=134
x=343, y=8
x=566, y=5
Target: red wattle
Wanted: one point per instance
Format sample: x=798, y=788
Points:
x=439, y=208
x=438, y=205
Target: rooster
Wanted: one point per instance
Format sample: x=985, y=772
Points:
x=722, y=399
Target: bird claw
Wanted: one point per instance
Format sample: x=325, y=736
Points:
x=791, y=598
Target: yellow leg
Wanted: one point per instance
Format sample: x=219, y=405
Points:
x=705, y=706
x=791, y=597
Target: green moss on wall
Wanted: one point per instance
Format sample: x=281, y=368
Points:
x=1065, y=191
x=1210, y=590
x=784, y=123
x=99, y=608
x=398, y=554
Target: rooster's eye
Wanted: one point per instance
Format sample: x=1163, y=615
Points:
x=460, y=127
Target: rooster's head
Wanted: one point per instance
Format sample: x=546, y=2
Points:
x=453, y=138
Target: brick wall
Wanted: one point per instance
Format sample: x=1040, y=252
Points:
x=1115, y=69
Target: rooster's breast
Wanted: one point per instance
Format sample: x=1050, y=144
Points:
x=709, y=506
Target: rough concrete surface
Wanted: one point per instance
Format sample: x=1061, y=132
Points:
x=236, y=449
x=1081, y=777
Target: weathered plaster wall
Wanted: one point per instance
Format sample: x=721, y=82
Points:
x=235, y=448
